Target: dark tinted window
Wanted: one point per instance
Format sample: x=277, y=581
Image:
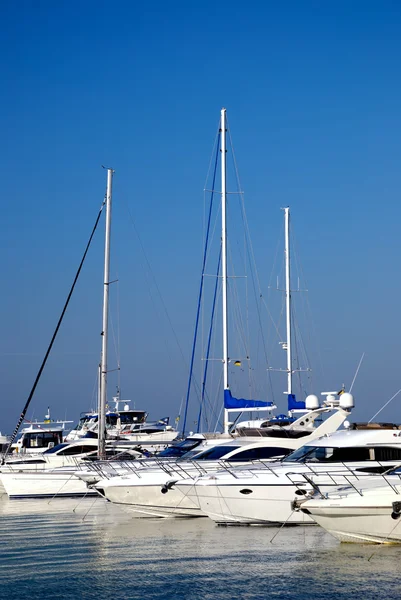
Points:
x=387, y=454
x=181, y=448
x=55, y=449
x=259, y=454
x=330, y=454
x=77, y=449
x=215, y=453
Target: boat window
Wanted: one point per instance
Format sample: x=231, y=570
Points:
x=149, y=429
x=42, y=439
x=215, y=453
x=127, y=418
x=77, y=449
x=387, y=454
x=329, y=454
x=55, y=449
x=181, y=448
x=300, y=454
x=258, y=454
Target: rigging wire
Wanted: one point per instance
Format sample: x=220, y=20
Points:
x=198, y=310
x=42, y=366
x=153, y=278
x=209, y=342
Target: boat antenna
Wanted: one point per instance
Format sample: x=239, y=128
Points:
x=42, y=366
x=356, y=372
x=384, y=405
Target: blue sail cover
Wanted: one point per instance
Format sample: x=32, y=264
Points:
x=293, y=403
x=241, y=403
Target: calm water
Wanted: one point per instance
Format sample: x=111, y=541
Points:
x=93, y=549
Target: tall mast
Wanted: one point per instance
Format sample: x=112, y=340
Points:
x=103, y=367
x=224, y=257
x=288, y=297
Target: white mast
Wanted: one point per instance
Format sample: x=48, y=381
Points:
x=103, y=367
x=288, y=297
x=224, y=257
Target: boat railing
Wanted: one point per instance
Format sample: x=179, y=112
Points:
x=337, y=480
x=251, y=469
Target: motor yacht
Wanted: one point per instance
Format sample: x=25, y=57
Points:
x=265, y=493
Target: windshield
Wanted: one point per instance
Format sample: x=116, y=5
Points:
x=55, y=448
x=215, y=453
x=180, y=449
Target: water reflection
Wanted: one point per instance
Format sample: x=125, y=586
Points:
x=93, y=549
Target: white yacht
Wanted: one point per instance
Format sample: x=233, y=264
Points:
x=38, y=436
x=151, y=491
x=265, y=494
x=52, y=472
x=128, y=424
x=364, y=511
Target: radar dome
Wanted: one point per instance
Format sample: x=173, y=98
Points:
x=311, y=402
x=347, y=401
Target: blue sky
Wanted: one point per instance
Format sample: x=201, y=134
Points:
x=313, y=96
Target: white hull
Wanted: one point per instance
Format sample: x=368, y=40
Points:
x=48, y=462
x=364, y=517
x=361, y=525
x=227, y=505
x=149, y=501
x=44, y=485
x=264, y=496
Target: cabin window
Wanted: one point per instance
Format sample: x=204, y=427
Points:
x=259, y=454
x=329, y=454
x=387, y=454
x=77, y=449
x=215, y=453
x=41, y=440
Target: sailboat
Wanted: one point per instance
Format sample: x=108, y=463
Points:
x=62, y=482
x=150, y=492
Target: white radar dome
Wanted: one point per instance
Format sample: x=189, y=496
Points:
x=347, y=401
x=311, y=402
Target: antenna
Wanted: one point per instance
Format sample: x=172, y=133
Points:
x=356, y=372
x=384, y=405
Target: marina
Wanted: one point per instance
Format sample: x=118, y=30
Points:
x=200, y=383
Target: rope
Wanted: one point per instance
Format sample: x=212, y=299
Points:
x=42, y=366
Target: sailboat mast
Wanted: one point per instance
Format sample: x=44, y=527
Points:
x=224, y=256
x=288, y=297
x=103, y=368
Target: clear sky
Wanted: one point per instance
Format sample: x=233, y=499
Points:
x=313, y=94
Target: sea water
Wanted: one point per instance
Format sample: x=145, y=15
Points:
x=89, y=549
